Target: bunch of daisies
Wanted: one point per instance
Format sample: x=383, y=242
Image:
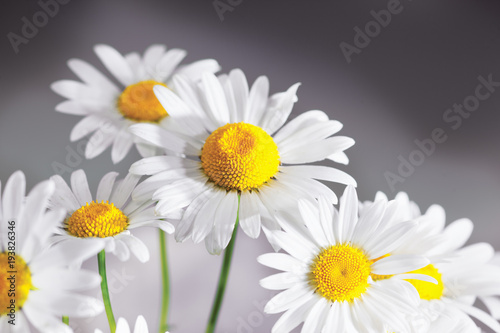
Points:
x=219, y=153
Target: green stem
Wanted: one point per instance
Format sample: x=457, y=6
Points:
x=101, y=259
x=65, y=319
x=221, y=288
x=166, y=283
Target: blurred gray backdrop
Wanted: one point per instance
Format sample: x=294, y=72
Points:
x=405, y=78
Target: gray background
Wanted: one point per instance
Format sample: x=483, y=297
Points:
x=395, y=91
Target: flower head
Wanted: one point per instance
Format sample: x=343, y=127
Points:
x=235, y=157
x=329, y=274
x=37, y=286
x=464, y=273
x=110, y=109
x=108, y=219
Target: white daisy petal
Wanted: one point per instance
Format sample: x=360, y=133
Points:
x=280, y=281
x=86, y=126
x=77, y=108
x=257, y=100
x=105, y=186
x=152, y=56
x=317, y=317
x=225, y=219
x=140, y=325
x=279, y=109
x=13, y=195
x=240, y=91
x=169, y=62
x=123, y=191
x=67, y=252
x=320, y=172
x=90, y=75
x=185, y=226
x=205, y=218
x=196, y=69
x=293, y=317
x=397, y=264
x=99, y=142
x=215, y=99
x=301, y=121
x=318, y=152
x=80, y=187
x=122, y=326
x=389, y=240
x=249, y=214
x=179, y=111
x=62, y=279
x=115, y=63
x=348, y=213
x=121, y=145
x=136, y=246
x=281, y=261
x=310, y=135
x=63, y=196
x=290, y=298
x=161, y=138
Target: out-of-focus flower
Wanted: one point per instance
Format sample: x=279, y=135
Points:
x=110, y=109
x=464, y=274
x=36, y=285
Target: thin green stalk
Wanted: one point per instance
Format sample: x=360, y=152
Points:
x=101, y=259
x=65, y=319
x=221, y=288
x=166, y=283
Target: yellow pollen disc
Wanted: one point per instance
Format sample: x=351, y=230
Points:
x=240, y=157
x=340, y=273
x=139, y=103
x=96, y=220
x=14, y=286
x=428, y=290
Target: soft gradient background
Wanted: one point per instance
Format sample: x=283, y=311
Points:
x=395, y=91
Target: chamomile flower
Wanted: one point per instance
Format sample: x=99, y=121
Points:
x=36, y=286
x=464, y=274
x=328, y=271
x=141, y=326
x=110, y=109
x=109, y=218
x=233, y=151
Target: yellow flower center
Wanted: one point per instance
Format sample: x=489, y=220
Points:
x=139, y=103
x=240, y=157
x=15, y=283
x=428, y=290
x=96, y=220
x=340, y=273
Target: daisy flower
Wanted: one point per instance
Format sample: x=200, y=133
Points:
x=234, y=154
x=328, y=271
x=110, y=109
x=464, y=274
x=36, y=286
x=109, y=219
x=141, y=326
